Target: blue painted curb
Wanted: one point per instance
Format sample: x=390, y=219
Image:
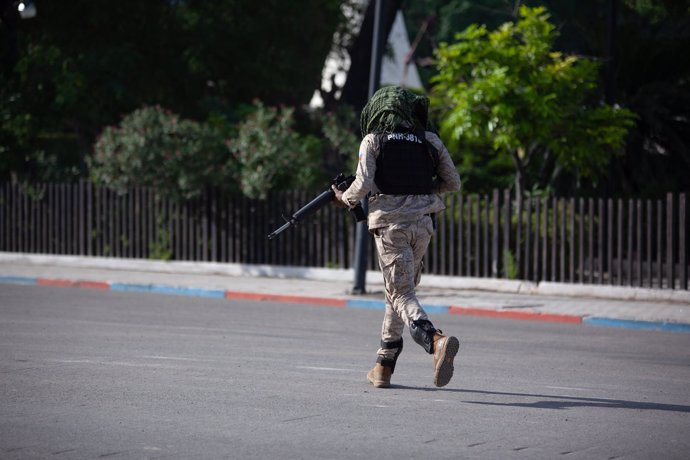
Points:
x=381, y=305
x=169, y=290
x=195, y=292
x=18, y=280
x=367, y=304
x=436, y=309
x=640, y=325
x=125, y=287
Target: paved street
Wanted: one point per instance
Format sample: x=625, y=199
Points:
x=103, y=374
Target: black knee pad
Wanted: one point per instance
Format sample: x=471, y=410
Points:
x=422, y=331
x=390, y=362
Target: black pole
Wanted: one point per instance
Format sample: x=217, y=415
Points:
x=362, y=236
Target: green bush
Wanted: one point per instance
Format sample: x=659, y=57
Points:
x=155, y=147
x=270, y=154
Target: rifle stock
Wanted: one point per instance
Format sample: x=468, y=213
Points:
x=325, y=197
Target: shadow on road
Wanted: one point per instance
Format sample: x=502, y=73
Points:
x=556, y=402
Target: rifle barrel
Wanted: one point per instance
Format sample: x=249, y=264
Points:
x=284, y=227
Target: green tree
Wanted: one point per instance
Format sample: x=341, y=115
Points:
x=507, y=94
x=82, y=65
x=644, y=74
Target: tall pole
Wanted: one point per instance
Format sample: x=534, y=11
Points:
x=362, y=235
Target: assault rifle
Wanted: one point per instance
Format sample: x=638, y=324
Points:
x=342, y=183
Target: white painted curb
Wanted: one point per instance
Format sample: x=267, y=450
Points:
x=613, y=292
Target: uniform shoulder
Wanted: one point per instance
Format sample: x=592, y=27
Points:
x=432, y=136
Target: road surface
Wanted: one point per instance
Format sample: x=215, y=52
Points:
x=102, y=374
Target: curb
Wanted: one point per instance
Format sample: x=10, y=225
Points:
x=348, y=303
x=545, y=288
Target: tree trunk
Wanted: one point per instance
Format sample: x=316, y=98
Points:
x=519, y=174
x=356, y=88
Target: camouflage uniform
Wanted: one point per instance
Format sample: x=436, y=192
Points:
x=402, y=226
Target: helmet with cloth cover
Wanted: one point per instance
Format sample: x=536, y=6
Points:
x=393, y=108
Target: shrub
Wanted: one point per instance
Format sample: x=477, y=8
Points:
x=155, y=147
x=270, y=154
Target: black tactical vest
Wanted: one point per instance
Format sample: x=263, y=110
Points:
x=406, y=164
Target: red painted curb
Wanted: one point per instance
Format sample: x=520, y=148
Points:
x=68, y=283
x=237, y=295
x=521, y=315
x=53, y=282
x=93, y=284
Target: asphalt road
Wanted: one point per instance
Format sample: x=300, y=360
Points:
x=101, y=374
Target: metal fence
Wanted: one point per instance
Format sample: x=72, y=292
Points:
x=627, y=242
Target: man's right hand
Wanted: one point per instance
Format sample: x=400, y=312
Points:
x=338, y=198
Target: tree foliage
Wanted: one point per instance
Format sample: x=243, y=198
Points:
x=506, y=93
x=270, y=154
x=81, y=65
x=644, y=73
x=154, y=147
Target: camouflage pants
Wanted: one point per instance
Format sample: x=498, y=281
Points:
x=401, y=248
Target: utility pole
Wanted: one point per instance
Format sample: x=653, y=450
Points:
x=362, y=235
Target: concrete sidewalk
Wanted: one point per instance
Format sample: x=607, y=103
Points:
x=577, y=304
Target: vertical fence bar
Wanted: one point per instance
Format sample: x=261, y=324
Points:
x=443, y=227
x=145, y=222
x=554, y=240
x=619, y=241
x=670, y=242
x=31, y=220
x=537, y=240
x=462, y=247
x=13, y=218
x=507, y=224
x=33, y=198
x=563, y=242
x=12, y=224
x=452, y=234
x=545, y=240
x=659, y=243
x=64, y=231
x=89, y=224
x=631, y=239
x=495, y=216
x=75, y=213
x=572, y=240
x=682, y=242
x=486, y=204
x=640, y=248
x=96, y=240
x=609, y=239
x=205, y=226
x=224, y=233
x=112, y=224
x=650, y=260
x=3, y=216
x=527, y=273
x=133, y=229
x=472, y=241
x=600, y=246
x=519, y=212
x=581, y=240
x=23, y=221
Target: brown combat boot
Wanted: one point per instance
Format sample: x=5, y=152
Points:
x=445, y=349
x=380, y=376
